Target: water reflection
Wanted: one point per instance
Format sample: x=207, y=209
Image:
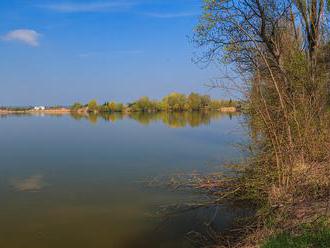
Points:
x=29, y=184
x=84, y=178
x=171, y=119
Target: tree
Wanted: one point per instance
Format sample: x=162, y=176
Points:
x=274, y=46
x=175, y=101
x=311, y=13
x=194, y=101
x=76, y=106
x=119, y=107
x=92, y=106
x=144, y=104
x=112, y=106
x=205, y=101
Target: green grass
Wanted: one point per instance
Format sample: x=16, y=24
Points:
x=316, y=236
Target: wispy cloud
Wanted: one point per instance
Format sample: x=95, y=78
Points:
x=119, y=52
x=86, y=55
x=171, y=14
x=114, y=5
x=88, y=7
x=128, y=51
x=27, y=36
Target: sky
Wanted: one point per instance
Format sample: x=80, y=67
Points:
x=60, y=52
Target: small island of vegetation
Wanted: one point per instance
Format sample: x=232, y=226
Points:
x=174, y=102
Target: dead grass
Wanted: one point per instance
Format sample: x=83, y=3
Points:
x=305, y=203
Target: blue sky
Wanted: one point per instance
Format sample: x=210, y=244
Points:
x=59, y=52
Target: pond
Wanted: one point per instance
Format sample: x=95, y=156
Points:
x=76, y=181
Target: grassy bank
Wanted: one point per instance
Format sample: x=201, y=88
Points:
x=280, y=51
x=312, y=235
x=298, y=217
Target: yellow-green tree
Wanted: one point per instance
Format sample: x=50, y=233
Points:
x=194, y=101
x=76, y=106
x=175, y=101
x=92, y=106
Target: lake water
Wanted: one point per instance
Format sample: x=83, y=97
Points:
x=74, y=181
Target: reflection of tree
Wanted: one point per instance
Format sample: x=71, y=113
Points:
x=145, y=118
x=93, y=118
x=32, y=183
x=196, y=119
x=171, y=119
x=177, y=119
x=174, y=120
x=193, y=119
x=77, y=116
x=112, y=117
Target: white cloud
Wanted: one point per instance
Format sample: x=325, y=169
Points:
x=88, y=7
x=171, y=15
x=27, y=36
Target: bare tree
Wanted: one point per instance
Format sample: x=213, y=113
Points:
x=275, y=47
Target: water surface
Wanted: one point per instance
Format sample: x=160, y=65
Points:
x=75, y=181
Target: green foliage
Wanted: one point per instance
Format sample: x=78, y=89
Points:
x=311, y=236
x=174, y=102
x=144, y=104
x=76, y=106
x=119, y=107
x=92, y=106
x=194, y=101
x=110, y=107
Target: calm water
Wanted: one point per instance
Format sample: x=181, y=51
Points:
x=74, y=181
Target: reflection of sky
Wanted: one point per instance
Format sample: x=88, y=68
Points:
x=95, y=173
x=31, y=144
x=32, y=183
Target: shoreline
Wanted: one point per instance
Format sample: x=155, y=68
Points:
x=32, y=111
x=68, y=111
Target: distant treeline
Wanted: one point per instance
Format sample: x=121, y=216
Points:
x=28, y=108
x=174, y=102
x=15, y=108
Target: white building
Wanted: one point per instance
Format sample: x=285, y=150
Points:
x=38, y=108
